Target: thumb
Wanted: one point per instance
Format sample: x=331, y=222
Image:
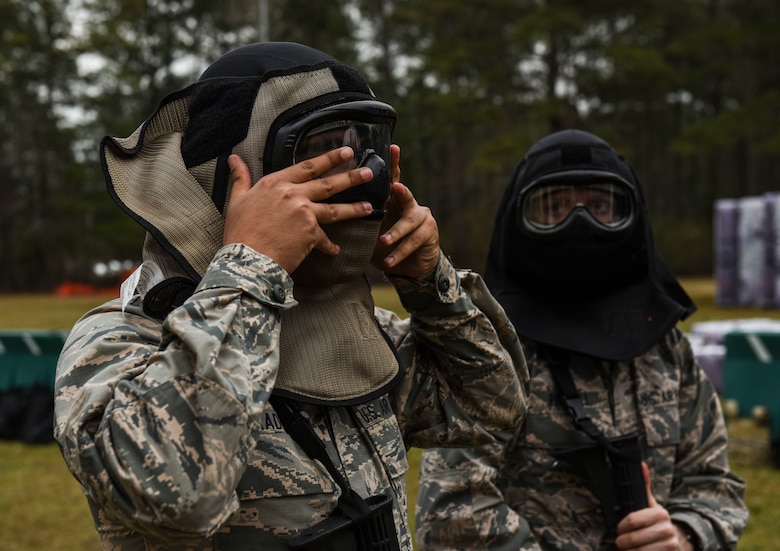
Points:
x=240, y=179
x=646, y=473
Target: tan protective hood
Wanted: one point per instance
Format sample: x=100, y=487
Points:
x=171, y=176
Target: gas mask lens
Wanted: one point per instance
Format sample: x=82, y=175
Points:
x=549, y=204
x=371, y=144
x=364, y=138
x=364, y=125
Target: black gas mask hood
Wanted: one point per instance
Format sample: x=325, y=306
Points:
x=611, y=295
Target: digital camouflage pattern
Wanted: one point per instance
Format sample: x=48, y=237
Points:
x=167, y=425
x=521, y=498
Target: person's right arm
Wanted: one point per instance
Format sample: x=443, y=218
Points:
x=156, y=419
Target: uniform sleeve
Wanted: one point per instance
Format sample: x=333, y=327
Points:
x=156, y=420
x=706, y=495
x=464, y=369
x=460, y=505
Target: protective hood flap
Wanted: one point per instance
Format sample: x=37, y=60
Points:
x=145, y=171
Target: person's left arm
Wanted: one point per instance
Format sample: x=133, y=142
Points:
x=706, y=497
x=706, y=501
x=464, y=367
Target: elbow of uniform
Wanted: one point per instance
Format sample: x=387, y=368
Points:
x=181, y=521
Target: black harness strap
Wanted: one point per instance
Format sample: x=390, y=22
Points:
x=567, y=392
x=297, y=424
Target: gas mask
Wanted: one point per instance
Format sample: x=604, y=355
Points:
x=366, y=126
x=335, y=310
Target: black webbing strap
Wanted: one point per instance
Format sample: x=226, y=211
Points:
x=567, y=391
x=296, y=423
x=614, y=473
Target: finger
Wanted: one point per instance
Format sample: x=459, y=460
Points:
x=313, y=168
x=403, y=204
x=324, y=244
x=395, y=163
x=421, y=241
x=402, y=196
x=410, y=243
x=328, y=213
x=648, y=487
x=323, y=188
x=240, y=178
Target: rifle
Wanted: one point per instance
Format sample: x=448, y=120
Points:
x=613, y=472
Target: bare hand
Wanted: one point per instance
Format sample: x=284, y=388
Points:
x=280, y=216
x=651, y=528
x=408, y=244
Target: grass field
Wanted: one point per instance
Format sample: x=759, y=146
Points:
x=41, y=505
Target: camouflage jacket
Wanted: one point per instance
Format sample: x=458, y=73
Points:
x=168, y=428
x=520, y=497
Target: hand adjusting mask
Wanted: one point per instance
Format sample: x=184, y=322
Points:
x=366, y=126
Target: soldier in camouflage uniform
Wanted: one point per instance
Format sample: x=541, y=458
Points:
x=572, y=261
x=250, y=292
